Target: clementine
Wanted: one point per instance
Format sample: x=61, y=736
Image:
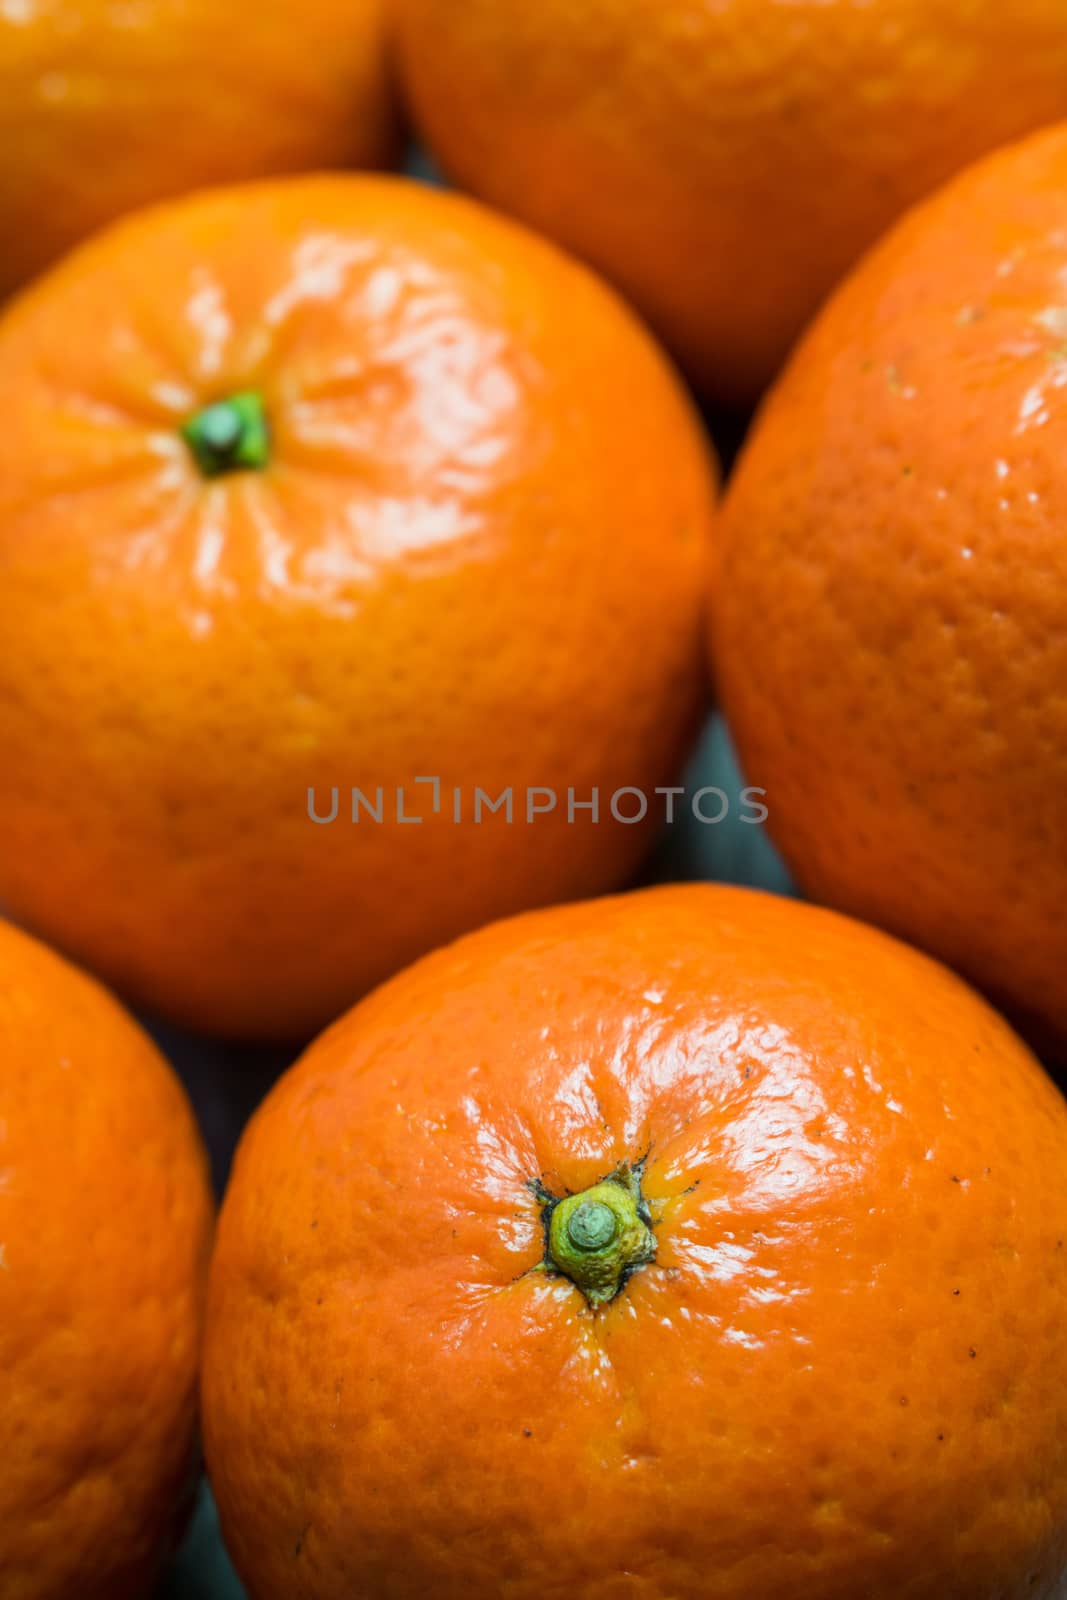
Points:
x=890, y=618
x=105, y=1216
x=724, y=163
x=322, y=486
x=692, y=1245
x=104, y=107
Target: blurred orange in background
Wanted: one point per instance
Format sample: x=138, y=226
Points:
x=724, y=162
x=106, y=106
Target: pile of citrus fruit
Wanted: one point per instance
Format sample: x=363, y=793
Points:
x=367, y=569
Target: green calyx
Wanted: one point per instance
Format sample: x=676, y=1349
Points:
x=599, y=1238
x=230, y=436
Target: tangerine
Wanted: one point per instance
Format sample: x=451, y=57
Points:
x=889, y=605
x=105, y=107
x=105, y=1223
x=724, y=164
x=319, y=486
x=690, y=1245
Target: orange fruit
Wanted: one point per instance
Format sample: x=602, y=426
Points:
x=105, y=1218
x=104, y=107
x=692, y=1245
x=890, y=607
x=724, y=163
x=322, y=485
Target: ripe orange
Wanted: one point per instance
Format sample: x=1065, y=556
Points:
x=104, y=107
x=105, y=1218
x=890, y=622
x=454, y=526
x=693, y=1245
x=724, y=163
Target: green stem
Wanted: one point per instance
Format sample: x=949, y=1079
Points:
x=599, y=1237
x=230, y=436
